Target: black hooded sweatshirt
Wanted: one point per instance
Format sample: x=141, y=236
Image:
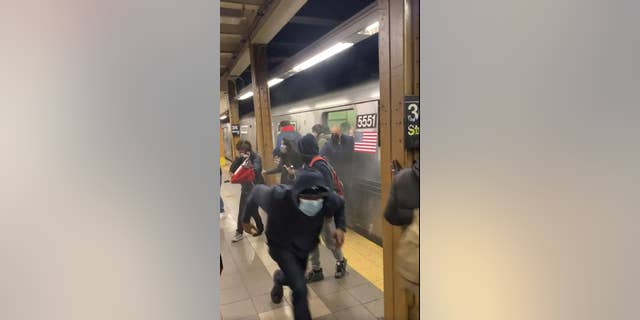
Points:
x=308, y=148
x=288, y=228
x=404, y=196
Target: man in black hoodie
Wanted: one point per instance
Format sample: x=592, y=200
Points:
x=403, y=209
x=308, y=148
x=296, y=216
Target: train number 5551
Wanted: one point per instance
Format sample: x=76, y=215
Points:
x=366, y=121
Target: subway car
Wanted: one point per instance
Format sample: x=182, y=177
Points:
x=359, y=106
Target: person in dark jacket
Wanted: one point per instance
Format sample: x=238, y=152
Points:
x=322, y=134
x=404, y=198
x=290, y=161
x=287, y=131
x=339, y=149
x=308, y=148
x=296, y=216
x=246, y=155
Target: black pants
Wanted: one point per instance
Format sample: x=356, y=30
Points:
x=291, y=274
x=244, y=196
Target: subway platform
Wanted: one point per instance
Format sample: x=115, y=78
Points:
x=247, y=276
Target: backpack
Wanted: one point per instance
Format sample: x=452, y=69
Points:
x=408, y=250
x=338, y=186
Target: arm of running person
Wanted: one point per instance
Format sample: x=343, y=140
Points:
x=274, y=170
x=341, y=225
x=260, y=197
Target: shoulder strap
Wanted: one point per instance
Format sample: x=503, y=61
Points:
x=316, y=159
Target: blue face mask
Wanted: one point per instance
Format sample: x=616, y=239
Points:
x=310, y=207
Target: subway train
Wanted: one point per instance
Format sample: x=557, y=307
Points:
x=357, y=105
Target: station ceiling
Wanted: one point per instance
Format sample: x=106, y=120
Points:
x=314, y=19
x=236, y=19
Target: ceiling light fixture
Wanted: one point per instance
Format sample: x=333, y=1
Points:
x=371, y=29
x=324, y=55
x=274, y=81
x=247, y=95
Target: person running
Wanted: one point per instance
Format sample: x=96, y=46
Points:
x=251, y=159
x=290, y=161
x=296, y=216
x=287, y=131
x=308, y=148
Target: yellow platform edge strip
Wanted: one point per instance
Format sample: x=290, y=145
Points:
x=365, y=257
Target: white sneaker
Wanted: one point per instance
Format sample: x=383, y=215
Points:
x=238, y=237
x=222, y=215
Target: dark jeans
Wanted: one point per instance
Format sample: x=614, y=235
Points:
x=244, y=196
x=291, y=274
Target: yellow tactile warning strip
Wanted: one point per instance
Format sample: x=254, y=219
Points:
x=365, y=257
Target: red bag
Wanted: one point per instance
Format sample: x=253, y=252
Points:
x=243, y=174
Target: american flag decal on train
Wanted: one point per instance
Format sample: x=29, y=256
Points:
x=367, y=142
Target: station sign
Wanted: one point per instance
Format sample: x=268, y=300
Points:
x=235, y=130
x=412, y=122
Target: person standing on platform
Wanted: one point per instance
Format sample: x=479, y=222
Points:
x=322, y=134
x=308, y=148
x=290, y=161
x=287, y=131
x=339, y=151
x=296, y=216
x=250, y=159
x=403, y=209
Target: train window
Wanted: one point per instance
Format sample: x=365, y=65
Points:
x=345, y=119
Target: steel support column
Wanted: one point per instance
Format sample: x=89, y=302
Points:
x=399, y=76
x=262, y=105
